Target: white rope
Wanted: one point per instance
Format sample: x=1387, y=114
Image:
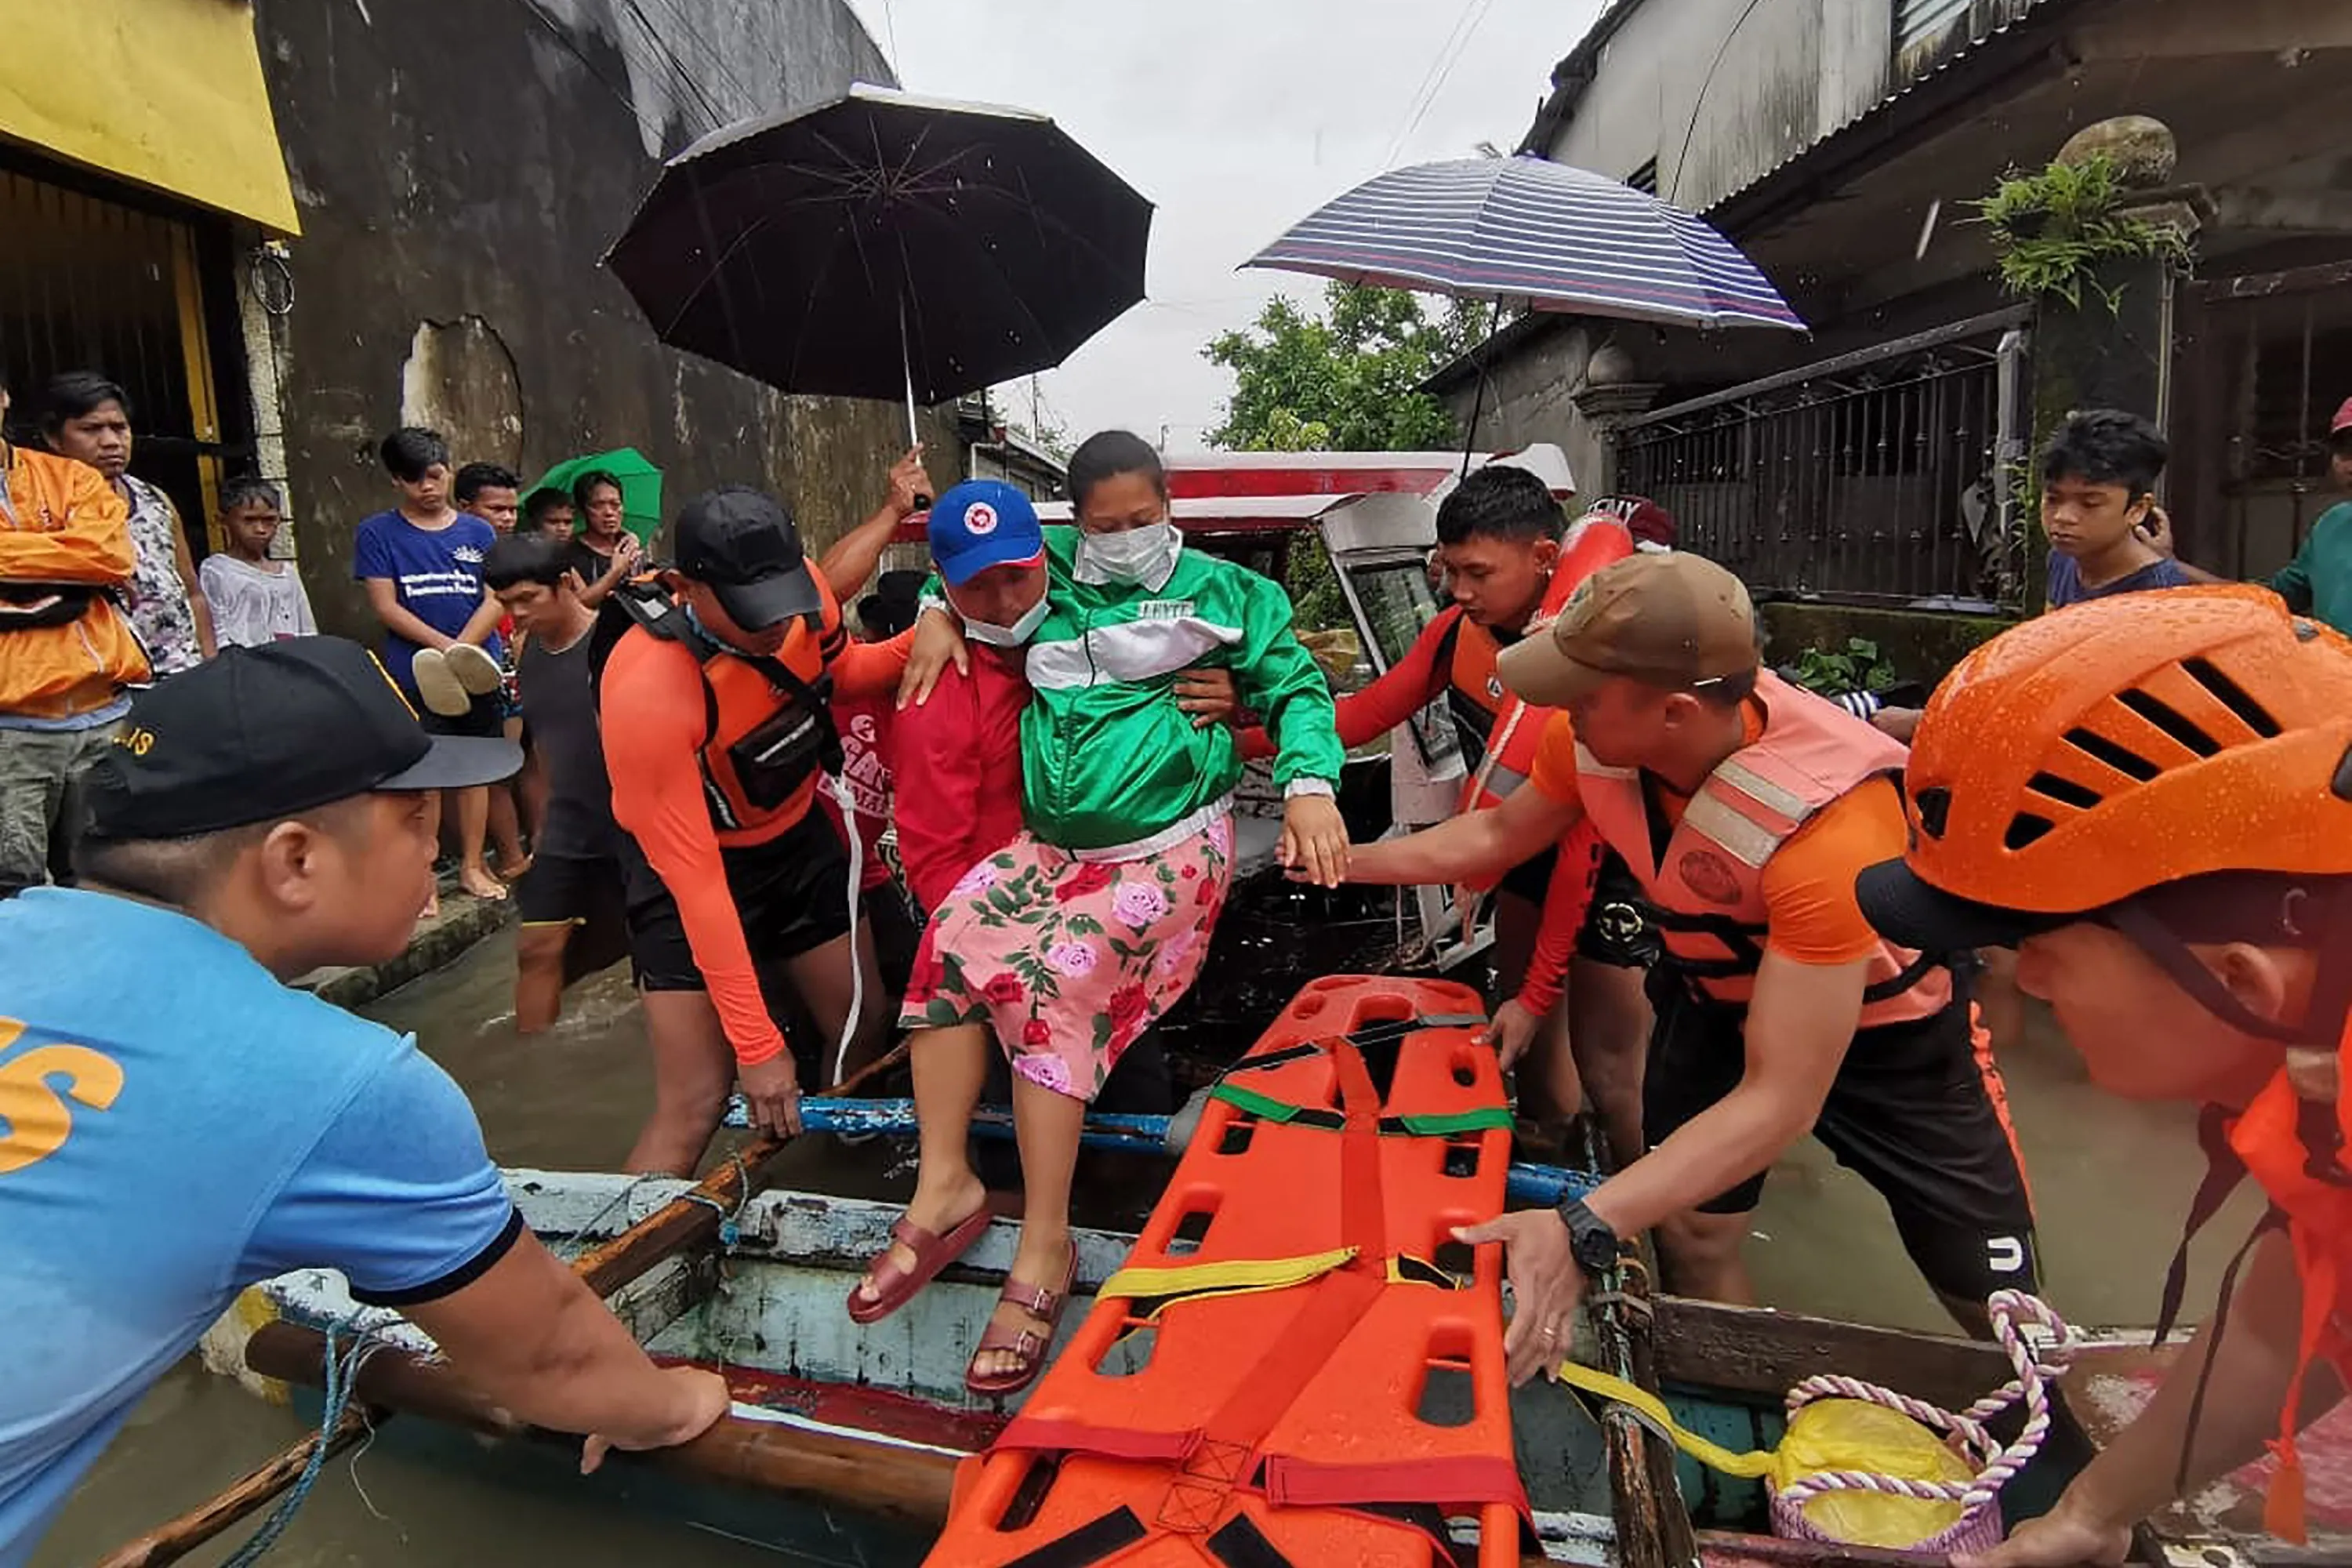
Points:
x=856, y=875
x=2010, y=1310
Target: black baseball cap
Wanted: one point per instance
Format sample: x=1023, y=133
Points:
x=263, y=733
x=741, y=543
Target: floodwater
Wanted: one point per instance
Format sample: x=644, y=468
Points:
x=2112, y=1181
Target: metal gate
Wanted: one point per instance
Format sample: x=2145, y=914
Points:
x=90, y=282
x=2264, y=361
x=1885, y=478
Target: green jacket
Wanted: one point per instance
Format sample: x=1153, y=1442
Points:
x=2318, y=581
x=1108, y=759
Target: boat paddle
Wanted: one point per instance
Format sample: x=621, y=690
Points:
x=1118, y=1133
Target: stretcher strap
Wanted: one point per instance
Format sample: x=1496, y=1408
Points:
x=1237, y=1277
x=1424, y=1124
x=1385, y=1032
x=1239, y=1544
x=1751, y=1466
x=1094, y=1542
x=1462, y=1481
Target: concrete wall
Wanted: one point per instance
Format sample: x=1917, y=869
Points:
x=1721, y=92
x=462, y=165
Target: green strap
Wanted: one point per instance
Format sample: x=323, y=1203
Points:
x=1256, y=1104
x=1435, y=1124
x=1445, y=1124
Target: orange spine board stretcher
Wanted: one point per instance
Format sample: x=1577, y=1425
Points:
x=1275, y=1418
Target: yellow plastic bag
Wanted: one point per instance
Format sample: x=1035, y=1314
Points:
x=1826, y=1435
x=1853, y=1434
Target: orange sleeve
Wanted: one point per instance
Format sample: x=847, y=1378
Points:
x=872, y=669
x=1809, y=897
x=1554, y=773
x=91, y=543
x=652, y=712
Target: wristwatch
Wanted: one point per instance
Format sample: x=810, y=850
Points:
x=1594, y=1245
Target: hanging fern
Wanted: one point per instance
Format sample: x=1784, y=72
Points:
x=2053, y=230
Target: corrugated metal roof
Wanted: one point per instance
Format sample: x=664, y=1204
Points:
x=1918, y=20
x=2017, y=14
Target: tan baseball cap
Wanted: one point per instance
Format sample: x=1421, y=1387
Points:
x=1676, y=622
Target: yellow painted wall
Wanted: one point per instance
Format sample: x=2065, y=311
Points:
x=164, y=93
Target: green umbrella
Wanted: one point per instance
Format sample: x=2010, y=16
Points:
x=641, y=485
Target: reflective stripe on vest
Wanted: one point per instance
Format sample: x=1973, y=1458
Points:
x=1709, y=887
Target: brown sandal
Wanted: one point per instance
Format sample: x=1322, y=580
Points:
x=894, y=1283
x=1028, y=1344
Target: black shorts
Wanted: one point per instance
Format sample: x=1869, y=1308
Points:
x=792, y=894
x=484, y=718
x=588, y=893
x=1912, y=1111
x=1617, y=927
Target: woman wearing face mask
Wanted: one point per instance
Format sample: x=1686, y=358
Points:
x=1072, y=939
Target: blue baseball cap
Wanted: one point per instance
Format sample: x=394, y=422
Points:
x=982, y=523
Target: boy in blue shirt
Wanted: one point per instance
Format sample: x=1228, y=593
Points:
x=2098, y=506
x=176, y=1124
x=421, y=565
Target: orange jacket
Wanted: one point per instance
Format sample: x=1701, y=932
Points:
x=63, y=525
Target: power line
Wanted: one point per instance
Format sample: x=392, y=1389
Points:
x=565, y=40
x=1698, y=104
x=1441, y=67
x=749, y=101
x=686, y=79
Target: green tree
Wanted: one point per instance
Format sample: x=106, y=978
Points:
x=1346, y=378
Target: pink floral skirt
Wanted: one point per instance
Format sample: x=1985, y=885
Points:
x=1070, y=960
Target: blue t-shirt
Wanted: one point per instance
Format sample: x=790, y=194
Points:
x=2066, y=581
x=438, y=574
x=175, y=1125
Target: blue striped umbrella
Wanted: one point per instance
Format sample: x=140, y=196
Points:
x=1525, y=228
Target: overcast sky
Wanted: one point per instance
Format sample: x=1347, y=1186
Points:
x=1238, y=118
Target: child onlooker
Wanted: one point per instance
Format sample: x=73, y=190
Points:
x=549, y=512
x=2098, y=508
x=492, y=492
x=422, y=566
x=254, y=599
x=573, y=898
x=2098, y=502
x=2318, y=581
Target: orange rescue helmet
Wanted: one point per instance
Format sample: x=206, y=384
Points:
x=2106, y=749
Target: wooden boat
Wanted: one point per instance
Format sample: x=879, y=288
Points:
x=843, y=1441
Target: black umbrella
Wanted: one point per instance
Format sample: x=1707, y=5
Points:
x=881, y=243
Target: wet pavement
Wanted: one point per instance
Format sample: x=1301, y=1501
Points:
x=2111, y=1179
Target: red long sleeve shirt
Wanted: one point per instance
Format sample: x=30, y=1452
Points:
x=955, y=763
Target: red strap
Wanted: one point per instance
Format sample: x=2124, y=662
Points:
x=1049, y=1433
x=1462, y=1481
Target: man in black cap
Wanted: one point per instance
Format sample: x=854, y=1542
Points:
x=715, y=701
x=256, y=817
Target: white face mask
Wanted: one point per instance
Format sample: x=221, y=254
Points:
x=1013, y=636
x=1138, y=557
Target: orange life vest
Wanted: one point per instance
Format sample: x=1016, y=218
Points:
x=2277, y=1139
x=768, y=727
x=1708, y=887
x=1248, y=1389
x=1515, y=728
